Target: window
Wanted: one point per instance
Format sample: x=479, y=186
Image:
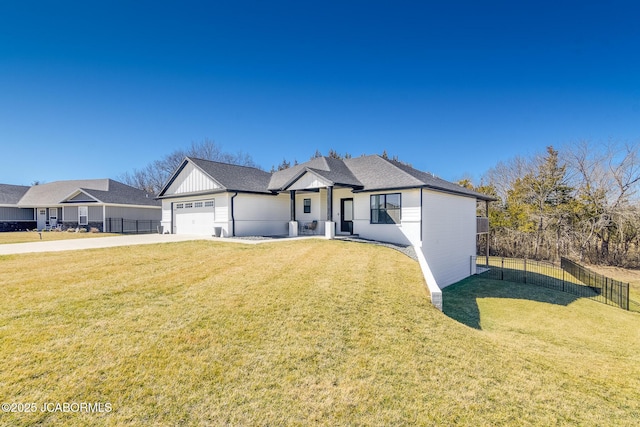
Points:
x=197, y=205
x=208, y=204
x=307, y=205
x=188, y=205
x=83, y=215
x=179, y=206
x=385, y=208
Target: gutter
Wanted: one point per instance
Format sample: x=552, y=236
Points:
x=233, y=219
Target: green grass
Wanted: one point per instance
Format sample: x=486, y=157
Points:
x=33, y=236
x=306, y=332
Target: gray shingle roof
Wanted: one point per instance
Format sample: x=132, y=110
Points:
x=366, y=173
x=104, y=190
x=235, y=177
x=11, y=194
x=332, y=170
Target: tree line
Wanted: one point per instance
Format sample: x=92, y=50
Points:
x=581, y=201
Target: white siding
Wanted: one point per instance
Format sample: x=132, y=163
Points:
x=449, y=233
x=405, y=233
x=191, y=180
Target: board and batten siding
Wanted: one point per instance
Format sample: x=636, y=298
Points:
x=191, y=180
x=70, y=213
x=449, y=235
x=16, y=214
x=95, y=214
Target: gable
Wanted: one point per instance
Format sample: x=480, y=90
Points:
x=81, y=197
x=191, y=180
x=309, y=180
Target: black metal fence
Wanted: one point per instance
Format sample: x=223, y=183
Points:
x=131, y=226
x=568, y=277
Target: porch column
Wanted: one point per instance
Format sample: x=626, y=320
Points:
x=293, y=224
x=329, y=225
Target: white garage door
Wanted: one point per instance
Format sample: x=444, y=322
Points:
x=195, y=217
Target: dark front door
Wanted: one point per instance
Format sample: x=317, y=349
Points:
x=346, y=219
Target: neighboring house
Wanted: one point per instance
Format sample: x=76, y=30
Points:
x=369, y=196
x=104, y=204
x=13, y=218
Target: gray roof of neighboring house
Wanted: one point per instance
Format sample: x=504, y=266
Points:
x=234, y=177
x=104, y=190
x=11, y=194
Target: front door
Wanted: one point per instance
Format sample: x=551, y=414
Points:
x=53, y=217
x=42, y=218
x=346, y=221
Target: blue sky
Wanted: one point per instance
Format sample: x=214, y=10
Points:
x=96, y=89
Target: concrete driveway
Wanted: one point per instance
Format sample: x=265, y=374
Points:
x=97, y=242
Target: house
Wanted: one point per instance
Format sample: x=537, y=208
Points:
x=370, y=196
x=104, y=204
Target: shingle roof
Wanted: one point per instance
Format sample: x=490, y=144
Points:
x=366, y=173
x=235, y=177
x=11, y=194
x=104, y=190
x=330, y=169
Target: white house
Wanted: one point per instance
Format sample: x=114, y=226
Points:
x=370, y=196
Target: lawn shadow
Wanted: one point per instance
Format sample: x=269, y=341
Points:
x=460, y=300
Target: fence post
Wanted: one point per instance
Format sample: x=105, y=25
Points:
x=502, y=269
x=563, y=280
x=525, y=270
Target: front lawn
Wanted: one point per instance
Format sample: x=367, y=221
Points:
x=34, y=236
x=308, y=332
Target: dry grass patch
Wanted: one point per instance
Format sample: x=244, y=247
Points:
x=291, y=333
x=34, y=236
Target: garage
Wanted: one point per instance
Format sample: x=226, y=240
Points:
x=194, y=217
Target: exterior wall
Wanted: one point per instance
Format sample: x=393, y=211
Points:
x=191, y=180
x=70, y=214
x=262, y=215
x=405, y=233
x=449, y=235
x=95, y=214
x=9, y=213
x=318, y=209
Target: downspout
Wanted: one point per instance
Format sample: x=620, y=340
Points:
x=233, y=219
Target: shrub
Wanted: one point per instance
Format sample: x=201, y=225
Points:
x=94, y=230
x=82, y=230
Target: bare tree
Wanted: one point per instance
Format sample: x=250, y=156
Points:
x=153, y=176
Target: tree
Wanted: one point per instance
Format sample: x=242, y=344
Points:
x=154, y=175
